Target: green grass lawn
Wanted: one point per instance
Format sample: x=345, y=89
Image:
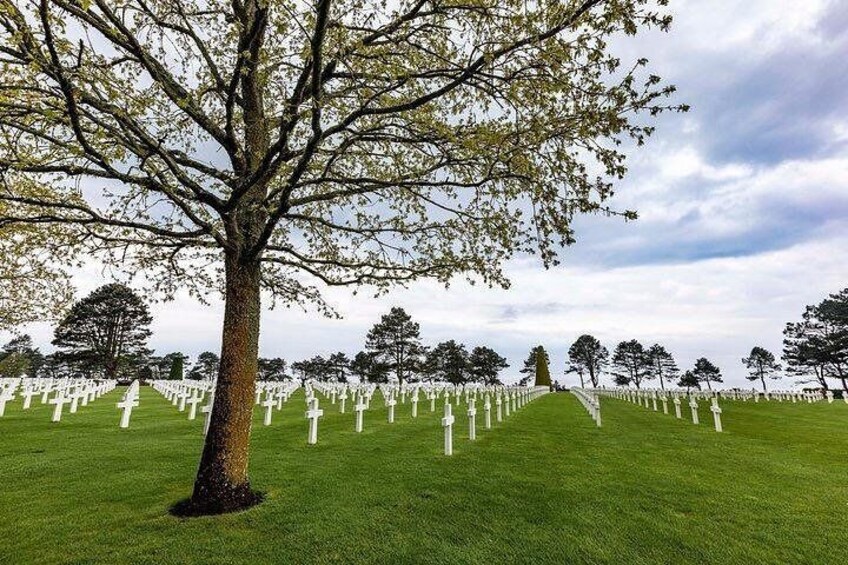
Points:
x=545, y=486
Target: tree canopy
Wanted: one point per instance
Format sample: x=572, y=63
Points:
x=816, y=348
x=761, y=364
x=106, y=330
x=706, y=372
x=661, y=364
x=587, y=356
x=485, y=365
x=631, y=364
x=395, y=341
x=275, y=145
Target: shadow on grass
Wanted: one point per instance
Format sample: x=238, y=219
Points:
x=187, y=508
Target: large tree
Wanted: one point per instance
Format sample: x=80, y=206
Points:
x=273, y=369
x=395, y=341
x=817, y=346
x=706, y=372
x=206, y=367
x=531, y=364
x=368, y=369
x=689, y=380
x=587, y=356
x=761, y=364
x=107, y=330
x=19, y=356
x=661, y=364
x=251, y=144
x=485, y=365
x=631, y=364
x=543, y=372
x=448, y=361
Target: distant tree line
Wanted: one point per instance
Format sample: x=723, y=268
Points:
x=105, y=335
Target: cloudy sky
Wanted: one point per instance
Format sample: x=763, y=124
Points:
x=743, y=215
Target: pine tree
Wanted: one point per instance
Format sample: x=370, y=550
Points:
x=543, y=374
x=631, y=364
x=106, y=330
x=177, y=369
x=587, y=355
x=761, y=364
x=396, y=342
x=485, y=365
x=706, y=372
x=662, y=364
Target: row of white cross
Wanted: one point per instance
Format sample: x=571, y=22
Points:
x=590, y=401
x=649, y=399
x=272, y=395
x=75, y=392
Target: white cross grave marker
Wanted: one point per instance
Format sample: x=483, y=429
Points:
x=447, y=424
x=313, y=414
x=716, y=410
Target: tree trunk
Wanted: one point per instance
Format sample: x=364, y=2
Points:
x=763, y=379
x=222, y=483
x=708, y=384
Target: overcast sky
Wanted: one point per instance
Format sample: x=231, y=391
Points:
x=743, y=208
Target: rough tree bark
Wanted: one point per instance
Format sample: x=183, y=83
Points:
x=222, y=483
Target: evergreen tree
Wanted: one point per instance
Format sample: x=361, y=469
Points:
x=662, y=364
x=543, y=374
x=19, y=357
x=448, y=361
x=396, y=343
x=107, y=330
x=339, y=366
x=587, y=356
x=529, y=367
x=272, y=369
x=176, y=370
x=816, y=348
x=688, y=380
x=206, y=367
x=368, y=369
x=485, y=365
x=631, y=364
x=706, y=372
x=761, y=364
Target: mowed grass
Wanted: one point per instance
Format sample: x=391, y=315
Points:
x=545, y=486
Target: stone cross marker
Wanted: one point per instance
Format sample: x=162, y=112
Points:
x=313, y=414
x=391, y=402
x=269, y=405
x=415, y=403
x=6, y=395
x=59, y=401
x=193, y=401
x=676, y=402
x=693, y=404
x=447, y=424
x=472, y=420
x=207, y=409
x=342, y=400
x=664, y=400
x=359, y=409
x=127, y=404
x=498, y=404
x=28, y=394
x=716, y=410
x=487, y=413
